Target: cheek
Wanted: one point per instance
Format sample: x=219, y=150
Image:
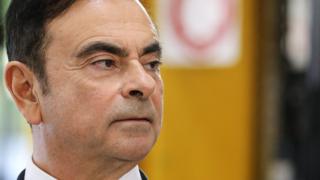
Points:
x=157, y=99
x=79, y=112
x=92, y=102
x=159, y=95
x=81, y=101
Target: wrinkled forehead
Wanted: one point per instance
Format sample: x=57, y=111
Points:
x=84, y=13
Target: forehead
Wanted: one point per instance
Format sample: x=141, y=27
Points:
x=92, y=19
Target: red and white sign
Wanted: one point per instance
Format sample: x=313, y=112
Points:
x=200, y=32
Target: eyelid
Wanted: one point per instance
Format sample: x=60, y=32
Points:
x=155, y=55
x=101, y=55
x=156, y=62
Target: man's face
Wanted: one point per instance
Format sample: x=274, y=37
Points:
x=105, y=89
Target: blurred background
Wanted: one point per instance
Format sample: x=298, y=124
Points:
x=241, y=93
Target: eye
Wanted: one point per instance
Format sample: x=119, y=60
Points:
x=154, y=65
x=104, y=64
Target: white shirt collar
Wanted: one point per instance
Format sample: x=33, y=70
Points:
x=133, y=174
x=33, y=172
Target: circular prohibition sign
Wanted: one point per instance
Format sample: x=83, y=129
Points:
x=218, y=32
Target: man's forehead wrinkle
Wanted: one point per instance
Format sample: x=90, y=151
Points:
x=70, y=28
x=111, y=23
x=126, y=16
x=107, y=11
x=112, y=32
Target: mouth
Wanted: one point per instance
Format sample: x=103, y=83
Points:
x=134, y=120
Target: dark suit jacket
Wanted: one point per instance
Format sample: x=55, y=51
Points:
x=21, y=175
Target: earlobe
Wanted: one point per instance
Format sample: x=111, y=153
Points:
x=20, y=82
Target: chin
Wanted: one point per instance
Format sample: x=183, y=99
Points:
x=135, y=149
x=130, y=141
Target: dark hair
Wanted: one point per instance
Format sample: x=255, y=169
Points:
x=26, y=22
x=1, y=25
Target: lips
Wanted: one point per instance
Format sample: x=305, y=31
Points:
x=134, y=119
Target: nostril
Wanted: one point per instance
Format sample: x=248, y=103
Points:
x=136, y=93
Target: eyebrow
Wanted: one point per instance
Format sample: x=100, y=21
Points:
x=154, y=47
x=102, y=47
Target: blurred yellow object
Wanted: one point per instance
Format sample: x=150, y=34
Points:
x=209, y=126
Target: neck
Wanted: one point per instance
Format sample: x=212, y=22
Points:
x=64, y=168
x=75, y=164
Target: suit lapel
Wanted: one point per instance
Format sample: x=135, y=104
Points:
x=143, y=176
x=21, y=175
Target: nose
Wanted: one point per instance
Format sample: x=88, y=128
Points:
x=137, y=82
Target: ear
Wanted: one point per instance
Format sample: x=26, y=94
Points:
x=21, y=83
